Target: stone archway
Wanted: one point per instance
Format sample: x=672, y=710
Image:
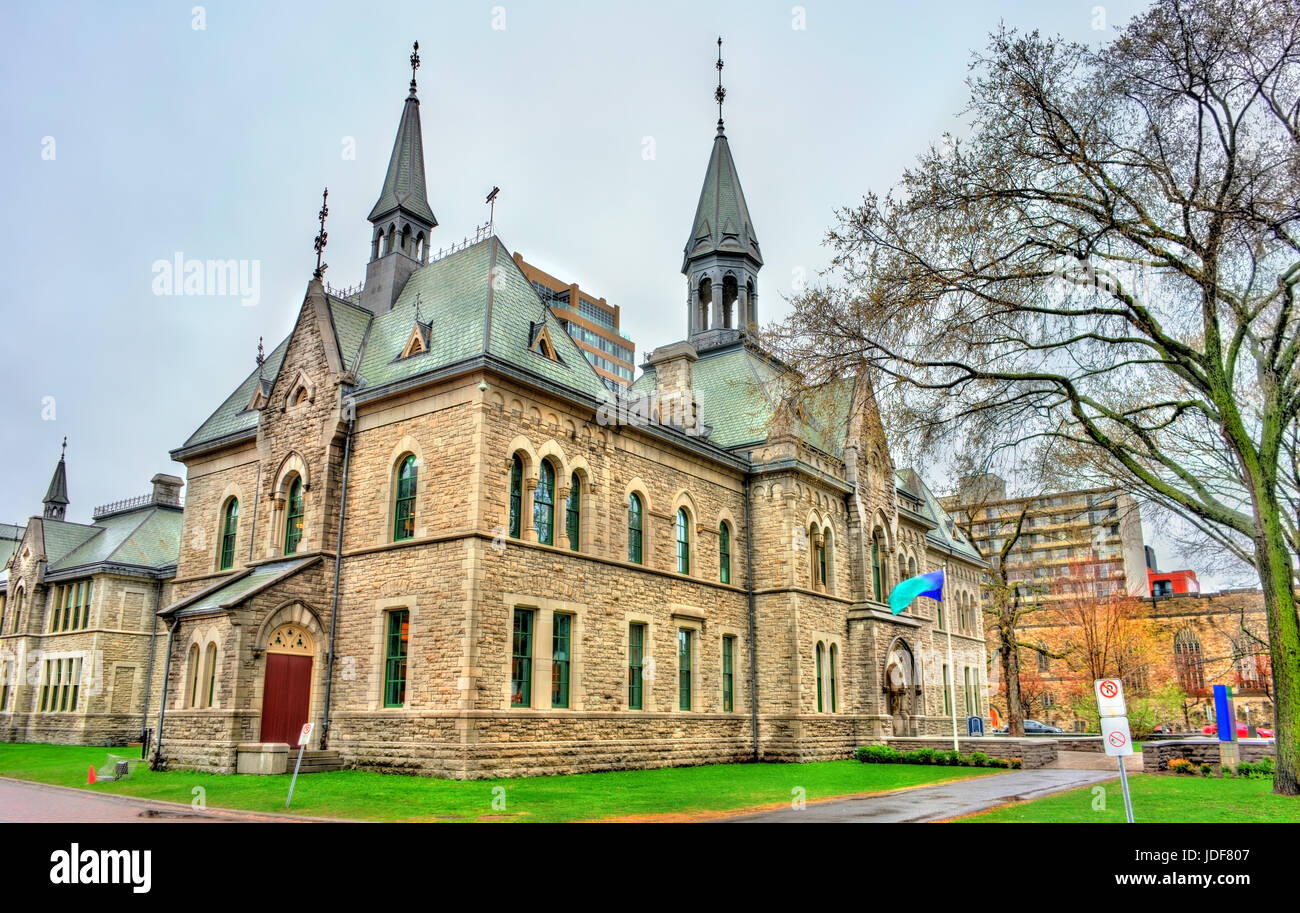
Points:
x=902, y=688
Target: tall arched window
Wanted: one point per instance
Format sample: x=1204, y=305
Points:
x=18, y=610
x=212, y=673
x=544, y=504
x=821, y=658
x=516, y=495
x=683, y=541
x=1187, y=661
x=634, y=512
x=835, y=697
x=1044, y=661
x=877, y=583
x=229, y=524
x=902, y=568
x=192, y=689
x=911, y=567
x=293, y=519
x=724, y=552
x=408, y=472
x=573, y=513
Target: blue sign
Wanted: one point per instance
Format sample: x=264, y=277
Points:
x=975, y=726
x=1223, y=713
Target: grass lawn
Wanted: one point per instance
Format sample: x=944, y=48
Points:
x=1158, y=797
x=679, y=791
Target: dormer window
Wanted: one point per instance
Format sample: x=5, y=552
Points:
x=539, y=341
x=418, y=342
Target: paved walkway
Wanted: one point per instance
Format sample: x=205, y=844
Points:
x=40, y=802
x=934, y=803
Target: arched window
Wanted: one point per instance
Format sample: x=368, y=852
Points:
x=902, y=568
x=1187, y=661
x=911, y=567
x=821, y=658
x=293, y=519
x=408, y=472
x=212, y=673
x=544, y=504
x=573, y=513
x=683, y=541
x=516, y=495
x=229, y=524
x=18, y=609
x=1044, y=661
x=724, y=552
x=877, y=583
x=821, y=560
x=835, y=697
x=192, y=689
x=634, y=512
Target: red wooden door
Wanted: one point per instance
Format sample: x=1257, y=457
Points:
x=286, y=697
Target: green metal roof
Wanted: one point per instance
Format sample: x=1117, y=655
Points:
x=946, y=533
x=61, y=537
x=722, y=220
x=149, y=538
x=233, y=415
x=232, y=592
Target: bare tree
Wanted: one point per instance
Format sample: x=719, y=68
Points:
x=1104, y=271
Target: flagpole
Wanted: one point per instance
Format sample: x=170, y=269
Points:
x=951, y=684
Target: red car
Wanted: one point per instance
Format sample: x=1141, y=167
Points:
x=1213, y=729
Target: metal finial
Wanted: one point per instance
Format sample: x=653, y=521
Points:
x=492, y=207
x=322, y=237
x=720, y=93
x=418, y=318
x=261, y=357
x=65, y=449
x=415, y=63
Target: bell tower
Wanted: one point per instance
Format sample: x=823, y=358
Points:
x=721, y=259
x=401, y=220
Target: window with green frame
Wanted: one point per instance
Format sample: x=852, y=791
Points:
x=821, y=560
x=229, y=524
x=544, y=504
x=293, y=517
x=573, y=513
x=18, y=611
x=6, y=673
x=516, y=495
x=561, y=658
x=728, y=673
x=71, y=604
x=635, y=664
x=877, y=584
x=408, y=473
x=947, y=693
x=683, y=541
x=724, y=552
x=821, y=658
x=835, y=696
x=212, y=674
x=684, y=644
x=521, y=660
x=398, y=642
x=634, y=520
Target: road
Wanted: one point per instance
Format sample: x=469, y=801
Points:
x=21, y=801
x=934, y=803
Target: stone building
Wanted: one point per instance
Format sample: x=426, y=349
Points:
x=78, y=627
x=433, y=531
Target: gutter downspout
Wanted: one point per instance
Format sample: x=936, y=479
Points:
x=162, y=703
x=753, y=623
x=148, y=679
x=334, y=600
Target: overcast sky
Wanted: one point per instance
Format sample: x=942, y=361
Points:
x=134, y=135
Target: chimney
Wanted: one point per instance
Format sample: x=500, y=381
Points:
x=167, y=490
x=674, y=398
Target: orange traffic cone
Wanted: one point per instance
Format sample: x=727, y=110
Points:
x=91, y=778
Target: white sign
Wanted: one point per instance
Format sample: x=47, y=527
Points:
x=1115, y=735
x=306, y=733
x=1110, y=697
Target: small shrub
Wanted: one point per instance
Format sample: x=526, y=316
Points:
x=979, y=759
x=1182, y=766
x=954, y=759
x=1266, y=766
x=878, y=754
x=925, y=756
x=1017, y=763
x=1207, y=769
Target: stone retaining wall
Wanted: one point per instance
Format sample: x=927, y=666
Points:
x=1156, y=756
x=1032, y=752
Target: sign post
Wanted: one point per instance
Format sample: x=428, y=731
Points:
x=302, y=745
x=1115, y=735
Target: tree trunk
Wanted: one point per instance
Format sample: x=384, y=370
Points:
x=1275, y=574
x=1011, y=675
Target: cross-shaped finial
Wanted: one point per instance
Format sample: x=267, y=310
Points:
x=322, y=237
x=261, y=357
x=415, y=63
x=65, y=449
x=418, y=317
x=720, y=93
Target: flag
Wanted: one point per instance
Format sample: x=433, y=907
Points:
x=901, y=596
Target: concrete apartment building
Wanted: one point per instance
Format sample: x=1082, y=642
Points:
x=592, y=323
x=1093, y=533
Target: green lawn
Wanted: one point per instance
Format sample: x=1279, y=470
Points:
x=1158, y=798
x=392, y=797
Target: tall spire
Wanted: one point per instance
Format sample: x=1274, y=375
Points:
x=56, y=497
x=404, y=189
x=722, y=254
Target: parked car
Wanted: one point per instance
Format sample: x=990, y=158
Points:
x=1242, y=731
x=1033, y=727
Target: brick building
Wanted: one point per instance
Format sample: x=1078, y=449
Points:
x=422, y=525
x=79, y=643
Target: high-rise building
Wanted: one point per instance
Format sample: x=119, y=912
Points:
x=1094, y=534
x=591, y=321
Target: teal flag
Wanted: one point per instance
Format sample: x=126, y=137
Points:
x=901, y=596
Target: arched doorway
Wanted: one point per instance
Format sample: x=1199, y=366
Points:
x=901, y=687
x=286, y=695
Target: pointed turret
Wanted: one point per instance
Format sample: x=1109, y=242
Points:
x=402, y=219
x=722, y=258
x=56, y=497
